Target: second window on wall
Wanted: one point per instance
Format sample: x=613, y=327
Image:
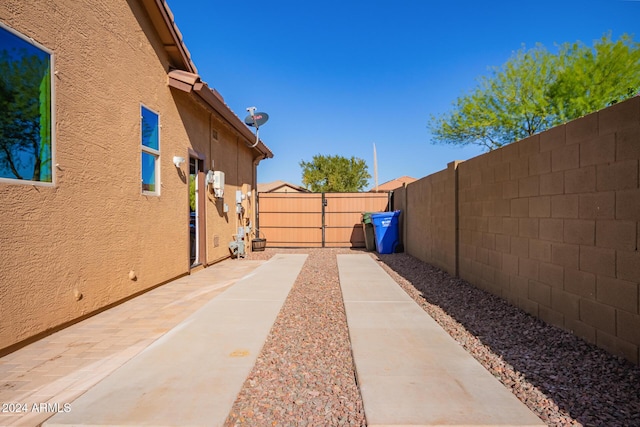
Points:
x=150, y=143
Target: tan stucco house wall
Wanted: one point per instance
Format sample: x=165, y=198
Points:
x=92, y=238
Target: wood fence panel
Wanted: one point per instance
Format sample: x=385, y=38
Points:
x=316, y=219
x=290, y=219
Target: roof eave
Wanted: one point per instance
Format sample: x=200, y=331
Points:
x=164, y=23
x=191, y=83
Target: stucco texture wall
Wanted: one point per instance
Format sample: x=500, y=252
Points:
x=70, y=249
x=214, y=140
x=232, y=156
x=552, y=224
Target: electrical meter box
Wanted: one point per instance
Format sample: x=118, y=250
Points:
x=218, y=183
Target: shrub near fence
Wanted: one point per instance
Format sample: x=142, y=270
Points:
x=550, y=223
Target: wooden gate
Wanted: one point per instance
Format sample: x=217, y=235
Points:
x=316, y=220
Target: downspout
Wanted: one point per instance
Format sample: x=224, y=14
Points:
x=254, y=185
x=210, y=142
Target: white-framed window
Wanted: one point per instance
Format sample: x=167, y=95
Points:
x=26, y=109
x=150, y=146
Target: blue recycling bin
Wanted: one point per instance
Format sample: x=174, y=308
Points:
x=385, y=226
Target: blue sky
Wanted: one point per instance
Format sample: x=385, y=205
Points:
x=336, y=77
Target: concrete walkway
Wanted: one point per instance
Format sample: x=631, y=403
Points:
x=179, y=354
x=410, y=371
x=192, y=375
x=39, y=379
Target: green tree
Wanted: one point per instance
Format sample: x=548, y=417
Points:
x=536, y=90
x=595, y=78
x=334, y=174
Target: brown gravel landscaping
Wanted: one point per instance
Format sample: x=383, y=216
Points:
x=304, y=374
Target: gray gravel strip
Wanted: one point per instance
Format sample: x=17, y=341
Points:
x=304, y=374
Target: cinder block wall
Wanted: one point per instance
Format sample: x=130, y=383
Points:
x=550, y=223
x=429, y=221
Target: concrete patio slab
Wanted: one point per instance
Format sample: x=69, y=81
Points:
x=192, y=374
x=410, y=371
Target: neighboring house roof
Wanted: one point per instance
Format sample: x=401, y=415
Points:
x=280, y=186
x=184, y=77
x=394, y=183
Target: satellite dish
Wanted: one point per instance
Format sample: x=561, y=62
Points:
x=256, y=120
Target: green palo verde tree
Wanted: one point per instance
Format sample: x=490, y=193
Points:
x=334, y=174
x=536, y=90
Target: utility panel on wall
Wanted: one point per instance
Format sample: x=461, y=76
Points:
x=218, y=183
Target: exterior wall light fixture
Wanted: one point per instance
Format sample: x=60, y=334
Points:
x=178, y=161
